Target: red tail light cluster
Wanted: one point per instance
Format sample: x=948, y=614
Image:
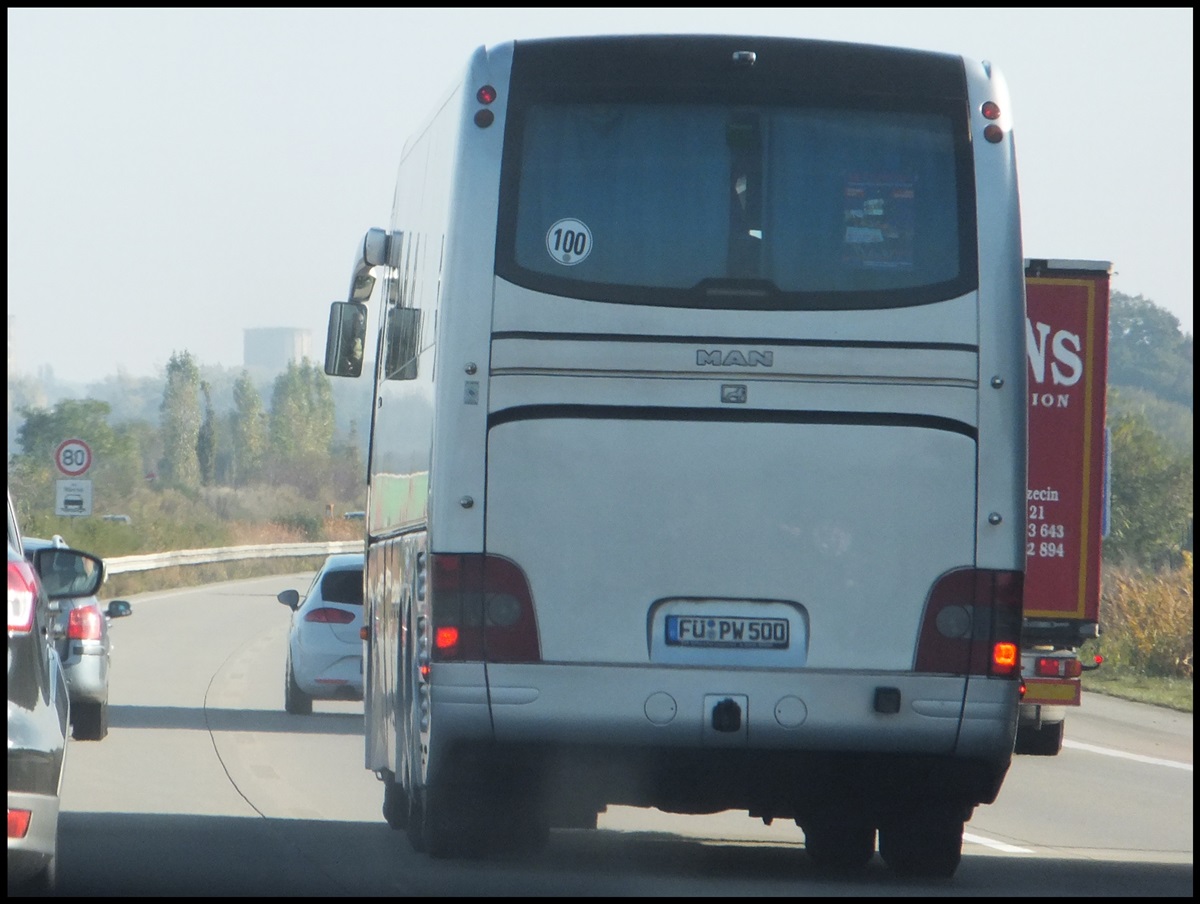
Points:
x=330, y=616
x=18, y=823
x=84, y=623
x=482, y=610
x=1058, y=667
x=972, y=624
x=22, y=597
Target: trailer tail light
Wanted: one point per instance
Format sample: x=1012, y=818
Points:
x=327, y=615
x=972, y=624
x=22, y=597
x=482, y=610
x=84, y=623
x=1057, y=667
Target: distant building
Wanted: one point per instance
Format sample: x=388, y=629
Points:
x=273, y=348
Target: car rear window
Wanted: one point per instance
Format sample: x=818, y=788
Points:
x=343, y=587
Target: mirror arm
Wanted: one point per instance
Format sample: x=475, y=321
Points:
x=372, y=253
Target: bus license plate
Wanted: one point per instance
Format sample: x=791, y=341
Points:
x=732, y=631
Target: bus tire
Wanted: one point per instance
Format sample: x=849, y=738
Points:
x=839, y=844
x=452, y=827
x=395, y=803
x=924, y=842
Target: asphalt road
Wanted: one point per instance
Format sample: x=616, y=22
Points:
x=204, y=786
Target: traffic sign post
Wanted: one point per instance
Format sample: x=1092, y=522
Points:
x=73, y=457
x=73, y=498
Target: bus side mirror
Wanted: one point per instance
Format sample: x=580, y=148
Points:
x=346, y=339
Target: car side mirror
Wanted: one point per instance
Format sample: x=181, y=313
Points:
x=290, y=598
x=68, y=573
x=119, y=609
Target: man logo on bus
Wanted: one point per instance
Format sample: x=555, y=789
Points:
x=734, y=358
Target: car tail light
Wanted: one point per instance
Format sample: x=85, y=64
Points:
x=22, y=597
x=18, y=823
x=972, y=624
x=482, y=610
x=84, y=623
x=330, y=616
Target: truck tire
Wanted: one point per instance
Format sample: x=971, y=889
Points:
x=924, y=842
x=1040, y=740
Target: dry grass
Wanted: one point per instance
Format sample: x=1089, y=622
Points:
x=1146, y=618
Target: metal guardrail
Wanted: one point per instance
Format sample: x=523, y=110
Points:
x=151, y=561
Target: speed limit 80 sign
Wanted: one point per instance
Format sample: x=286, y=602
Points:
x=73, y=457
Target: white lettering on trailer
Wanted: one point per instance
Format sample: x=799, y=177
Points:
x=1067, y=367
x=1049, y=494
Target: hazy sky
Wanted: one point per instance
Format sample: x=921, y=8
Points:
x=176, y=176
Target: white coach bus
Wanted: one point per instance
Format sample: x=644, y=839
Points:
x=698, y=445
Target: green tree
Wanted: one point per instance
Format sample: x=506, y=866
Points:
x=180, y=411
x=248, y=428
x=302, y=413
x=116, y=452
x=348, y=466
x=1147, y=350
x=1151, y=503
x=206, y=439
x=301, y=429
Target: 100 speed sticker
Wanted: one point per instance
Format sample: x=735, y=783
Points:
x=569, y=241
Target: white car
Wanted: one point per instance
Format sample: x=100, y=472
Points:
x=325, y=648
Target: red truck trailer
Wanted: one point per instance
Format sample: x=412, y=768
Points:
x=1066, y=491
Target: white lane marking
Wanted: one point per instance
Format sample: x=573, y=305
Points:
x=995, y=845
x=1151, y=760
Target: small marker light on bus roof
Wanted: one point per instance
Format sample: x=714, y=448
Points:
x=487, y=94
x=993, y=133
x=990, y=110
x=484, y=118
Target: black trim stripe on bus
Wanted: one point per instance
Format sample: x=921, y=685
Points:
x=724, y=415
x=539, y=335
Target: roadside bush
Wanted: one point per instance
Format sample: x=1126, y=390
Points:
x=309, y=527
x=1146, y=618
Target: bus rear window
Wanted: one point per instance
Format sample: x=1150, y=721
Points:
x=729, y=205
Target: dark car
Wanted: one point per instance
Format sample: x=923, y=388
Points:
x=38, y=707
x=81, y=633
